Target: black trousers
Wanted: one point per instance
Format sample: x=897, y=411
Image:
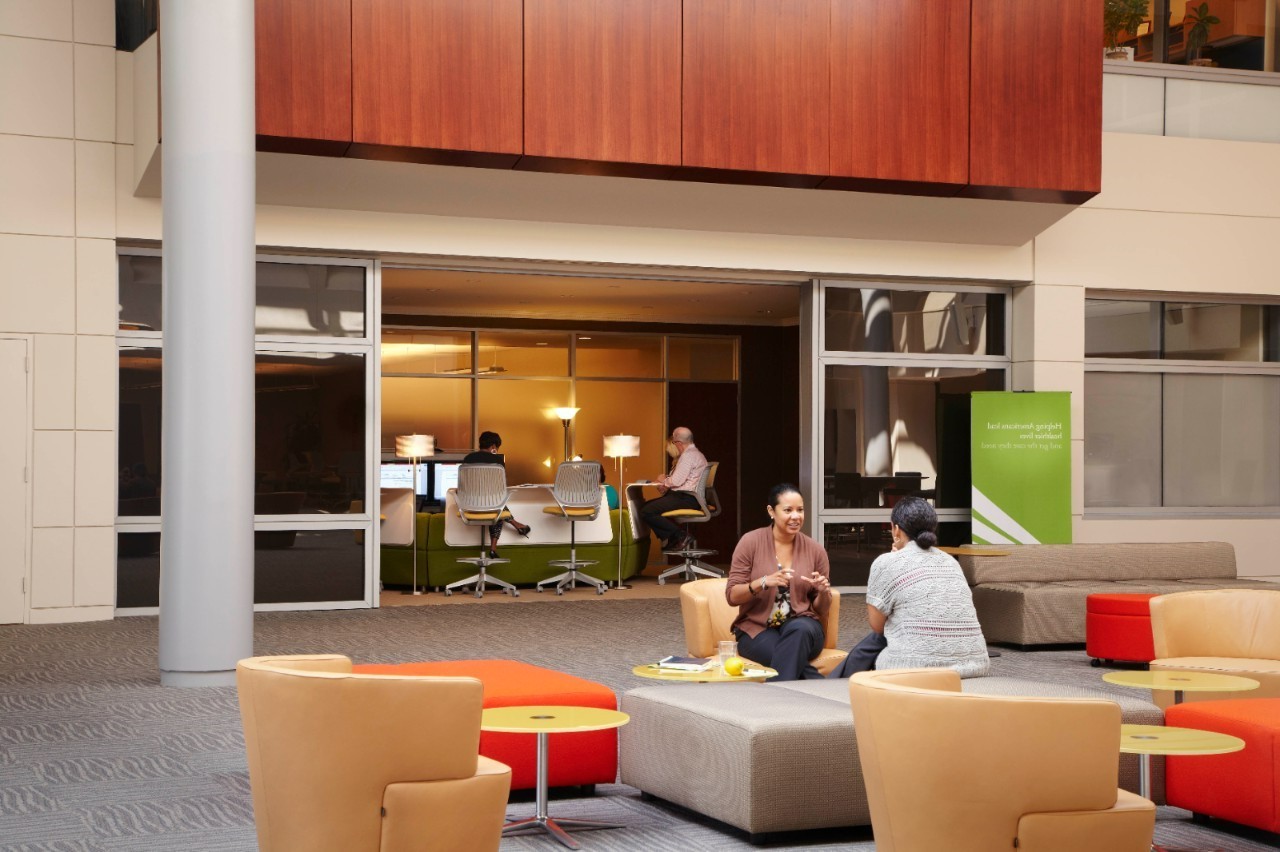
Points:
x=862, y=658
x=651, y=511
x=788, y=648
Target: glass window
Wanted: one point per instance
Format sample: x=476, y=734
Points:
x=706, y=359
x=893, y=431
x=138, y=436
x=426, y=351
x=517, y=353
x=622, y=408
x=1190, y=331
x=289, y=566
x=310, y=299
x=523, y=413
x=1221, y=447
x=1122, y=439
x=621, y=356
x=914, y=321
x=852, y=547
x=310, y=448
x=295, y=299
x=427, y=406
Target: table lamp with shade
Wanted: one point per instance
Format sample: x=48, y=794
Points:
x=566, y=417
x=415, y=447
x=619, y=447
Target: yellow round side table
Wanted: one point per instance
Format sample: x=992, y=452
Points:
x=543, y=720
x=1179, y=682
x=751, y=674
x=1146, y=740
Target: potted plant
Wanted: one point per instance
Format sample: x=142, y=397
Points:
x=1197, y=25
x=1121, y=16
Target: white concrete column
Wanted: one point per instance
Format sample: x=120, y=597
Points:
x=877, y=318
x=207, y=132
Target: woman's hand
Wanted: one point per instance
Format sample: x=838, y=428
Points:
x=778, y=579
x=820, y=583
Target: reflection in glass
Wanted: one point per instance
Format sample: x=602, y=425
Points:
x=290, y=566
x=310, y=299
x=522, y=412
x=427, y=406
x=622, y=356
x=706, y=359
x=310, y=448
x=1220, y=444
x=426, y=351
x=1122, y=439
x=852, y=547
x=518, y=353
x=1194, y=331
x=903, y=321
x=300, y=299
x=892, y=431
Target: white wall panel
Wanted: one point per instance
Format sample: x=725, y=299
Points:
x=95, y=566
x=54, y=381
x=97, y=375
x=94, y=21
x=35, y=87
x=52, y=567
x=97, y=302
x=37, y=186
x=96, y=479
x=53, y=479
x=1238, y=111
x=37, y=283
x=95, y=189
x=95, y=92
x=48, y=19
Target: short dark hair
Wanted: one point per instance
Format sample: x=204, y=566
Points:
x=490, y=439
x=775, y=493
x=915, y=517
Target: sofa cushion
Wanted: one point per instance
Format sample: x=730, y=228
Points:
x=1106, y=562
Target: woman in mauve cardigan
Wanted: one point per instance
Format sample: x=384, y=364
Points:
x=780, y=581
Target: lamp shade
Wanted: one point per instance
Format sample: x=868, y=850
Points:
x=415, y=446
x=566, y=413
x=621, y=446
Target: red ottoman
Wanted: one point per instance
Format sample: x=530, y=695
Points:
x=572, y=759
x=1118, y=627
x=1241, y=786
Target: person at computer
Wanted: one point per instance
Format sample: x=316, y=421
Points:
x=780, y=581
x=919, y=604
x=678, y=490
x=490, y=443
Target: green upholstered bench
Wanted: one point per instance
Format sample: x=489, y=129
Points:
x=438, y=565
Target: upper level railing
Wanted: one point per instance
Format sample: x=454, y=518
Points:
x=1201, y=103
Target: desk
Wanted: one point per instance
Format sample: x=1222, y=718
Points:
x=1180, y=682
x=1146, y=740
x=753, y=673
x=544, y=720
x=634, y=495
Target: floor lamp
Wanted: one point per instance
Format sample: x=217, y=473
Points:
x=621, y=447
x=414, y=447
x=566, y=417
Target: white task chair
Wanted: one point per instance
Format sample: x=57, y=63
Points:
x=481, y=498
x=577, y=494
x=708, y=508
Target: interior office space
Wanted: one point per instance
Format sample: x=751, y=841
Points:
x=391, y=280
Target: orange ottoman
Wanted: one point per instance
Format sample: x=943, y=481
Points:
x=572, y=759
x=1118, y=627
x=1241, y=786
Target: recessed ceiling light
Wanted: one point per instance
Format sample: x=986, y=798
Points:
x=584, y=338
x=540, y=343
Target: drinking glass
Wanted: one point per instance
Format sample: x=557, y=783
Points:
x=728, y=648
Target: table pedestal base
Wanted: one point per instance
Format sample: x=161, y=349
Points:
x=541, y=821
x=1144, y=790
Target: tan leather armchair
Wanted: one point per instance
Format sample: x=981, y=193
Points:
x=1225, y=631
x=974, y=773
x=708, y=619
x=346, y=762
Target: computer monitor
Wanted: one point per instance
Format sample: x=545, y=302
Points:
x=443, y=477
x=400, y=475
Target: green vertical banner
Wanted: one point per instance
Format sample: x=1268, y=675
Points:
x=1021, y=459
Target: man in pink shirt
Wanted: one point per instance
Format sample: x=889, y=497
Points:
x=678, y=489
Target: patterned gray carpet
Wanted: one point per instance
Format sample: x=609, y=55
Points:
x=95, y=755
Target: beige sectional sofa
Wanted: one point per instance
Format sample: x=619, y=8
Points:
x=1036, y=594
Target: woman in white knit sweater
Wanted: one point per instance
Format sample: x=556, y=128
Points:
x=919, y=604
